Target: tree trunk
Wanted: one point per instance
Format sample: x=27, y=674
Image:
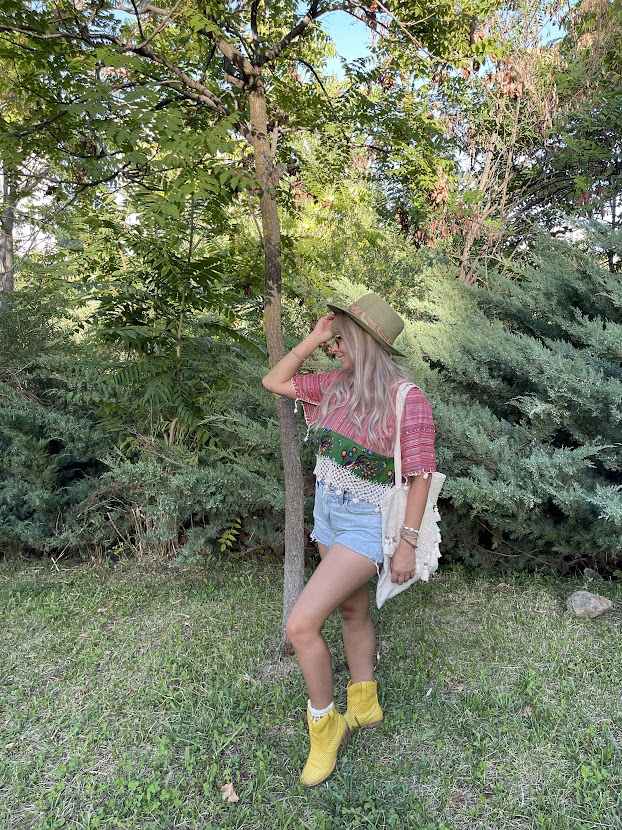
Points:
x=293, y=581
x=467, y=272
x=611, y=255
x=7, y=222
x=509, y=159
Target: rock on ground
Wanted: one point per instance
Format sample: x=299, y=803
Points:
x=587, y=605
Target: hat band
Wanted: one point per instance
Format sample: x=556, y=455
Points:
x=369, y=321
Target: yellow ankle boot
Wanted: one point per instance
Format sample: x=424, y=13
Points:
x=327, y=735
x=363, y=707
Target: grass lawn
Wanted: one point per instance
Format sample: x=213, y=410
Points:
x=129, y=696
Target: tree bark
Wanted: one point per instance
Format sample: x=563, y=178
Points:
x=7, y=222
x=611, y=256
x=293, y=579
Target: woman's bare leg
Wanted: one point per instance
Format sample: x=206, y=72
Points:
x=359, y=632
x=340, y=575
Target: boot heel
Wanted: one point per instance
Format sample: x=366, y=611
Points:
x=363, y=708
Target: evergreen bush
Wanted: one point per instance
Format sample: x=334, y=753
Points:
x=51, y=446
x=525, y=375
x=187, y=500
x=81, y=471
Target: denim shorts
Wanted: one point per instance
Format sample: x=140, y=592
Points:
x=355, y=523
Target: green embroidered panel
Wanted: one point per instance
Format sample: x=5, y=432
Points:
x=358, y=460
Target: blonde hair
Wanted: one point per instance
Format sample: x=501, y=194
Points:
x=368, y=386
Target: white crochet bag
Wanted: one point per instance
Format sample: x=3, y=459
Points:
x=393, y=510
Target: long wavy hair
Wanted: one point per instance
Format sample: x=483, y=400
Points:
x=368, y=385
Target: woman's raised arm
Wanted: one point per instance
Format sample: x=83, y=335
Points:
x=279, y=378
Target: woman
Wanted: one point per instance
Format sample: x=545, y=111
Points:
x=352, y=413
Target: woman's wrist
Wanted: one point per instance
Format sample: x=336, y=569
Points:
x=302, y=351
x=410, y=535
x=305, y=348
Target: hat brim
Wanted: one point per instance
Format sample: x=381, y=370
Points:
x=388, y=348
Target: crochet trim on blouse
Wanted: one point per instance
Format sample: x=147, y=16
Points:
x=335, y=475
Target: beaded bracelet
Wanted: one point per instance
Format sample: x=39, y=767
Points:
x=411, y=529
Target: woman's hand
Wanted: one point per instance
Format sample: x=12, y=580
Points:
x=279, y=378
x=323, y=330
x=403, y=563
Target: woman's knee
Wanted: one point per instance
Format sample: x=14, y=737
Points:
x=299, y=627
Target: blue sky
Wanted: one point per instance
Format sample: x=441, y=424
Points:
x=350, y=36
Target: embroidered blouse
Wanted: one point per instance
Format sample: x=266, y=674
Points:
x=349, y=458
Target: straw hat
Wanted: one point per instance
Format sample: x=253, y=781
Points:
x=376, y=316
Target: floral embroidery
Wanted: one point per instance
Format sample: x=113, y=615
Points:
x=360, y=461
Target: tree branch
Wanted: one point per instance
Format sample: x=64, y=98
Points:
x=325, y=91
x=140, y=27
x=200, y=91
x=162, y=25
x=55, y=35
x=21, y=46
x=208, y=63
x=41, y=125
x=240, y=125
x=254, y=31
x=410, y=36
x=237, y=59
x=148, y=8
x=313, y=13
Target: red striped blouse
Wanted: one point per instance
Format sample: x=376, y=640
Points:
x=417, y=427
